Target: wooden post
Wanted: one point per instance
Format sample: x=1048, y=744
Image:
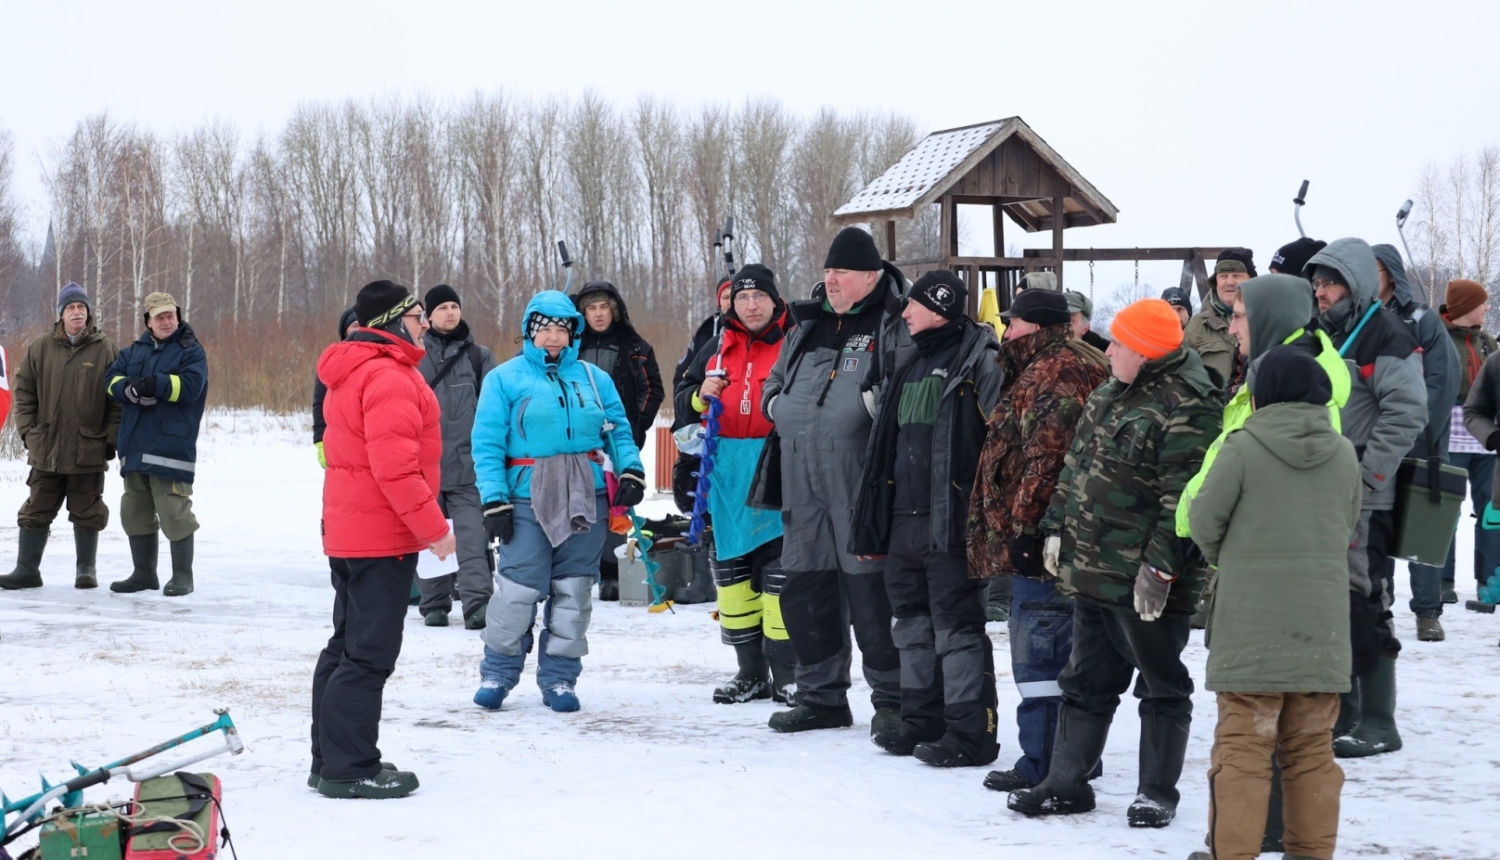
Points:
x=999, y=230
x=1057, y=236
x=947, y=242
x=890, y=240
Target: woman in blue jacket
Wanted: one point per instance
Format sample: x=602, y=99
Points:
x=545, y=426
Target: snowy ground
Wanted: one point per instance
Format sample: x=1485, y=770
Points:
x=650, y=767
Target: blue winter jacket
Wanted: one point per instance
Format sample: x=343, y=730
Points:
x=530, y=408
x=162, y=439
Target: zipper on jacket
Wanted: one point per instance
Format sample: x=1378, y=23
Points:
x=562, y=400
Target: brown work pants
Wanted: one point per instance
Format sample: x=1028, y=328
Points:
x=1251, y=726
x=84, y=494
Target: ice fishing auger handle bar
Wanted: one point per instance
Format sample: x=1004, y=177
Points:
x=1401, y=215
x=567, y=264
x=232, y=745
x=729, y=247
x=1300, y=200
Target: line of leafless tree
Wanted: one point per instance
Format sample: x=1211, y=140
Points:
x=284, y=228
x=1455, y=230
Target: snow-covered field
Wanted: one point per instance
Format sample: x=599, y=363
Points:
x=649, y=767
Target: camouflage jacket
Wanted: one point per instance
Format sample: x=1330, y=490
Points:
x=1048, y=379
x=1116, y=500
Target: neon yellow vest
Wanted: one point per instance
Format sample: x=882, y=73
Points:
x=1238, y=410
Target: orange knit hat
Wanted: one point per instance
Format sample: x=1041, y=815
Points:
x=1149, y=326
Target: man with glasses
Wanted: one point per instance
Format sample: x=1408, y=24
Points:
x=384, y=446
x=732, y=369
x=1386, y=412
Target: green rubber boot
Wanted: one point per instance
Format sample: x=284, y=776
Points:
x=86, y=543
x=143, y=578
x=28, y=572
x=182, y=568
x=1376, y=732
x=1348, y=710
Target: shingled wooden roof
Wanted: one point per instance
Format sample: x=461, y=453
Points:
x=1002, y=162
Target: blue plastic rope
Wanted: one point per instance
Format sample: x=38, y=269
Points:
x=705, y=469
x=1374, y=306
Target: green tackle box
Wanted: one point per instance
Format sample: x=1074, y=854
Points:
x=82, y=835
x=1424, y=528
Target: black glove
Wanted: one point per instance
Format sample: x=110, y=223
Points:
x=500, y=521
x=632, y=489
x=136, y=391
x=1026, y=556
x=1493, y=442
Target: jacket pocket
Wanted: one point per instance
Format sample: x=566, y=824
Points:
x=91, y=448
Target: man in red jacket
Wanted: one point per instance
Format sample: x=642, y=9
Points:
x=384, y=445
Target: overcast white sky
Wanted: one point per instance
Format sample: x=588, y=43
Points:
x=1196, y=119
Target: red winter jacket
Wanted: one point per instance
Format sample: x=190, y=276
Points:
x=746, y=360
x=384, y=448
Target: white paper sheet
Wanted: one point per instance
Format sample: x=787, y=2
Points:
x=429, y=566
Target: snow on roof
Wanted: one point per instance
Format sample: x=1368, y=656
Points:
x=922, y=169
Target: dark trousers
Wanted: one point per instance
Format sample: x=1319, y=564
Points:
x=818, y=607
x=1041, y=642
x=947, y=663
x=369, y=608
x=1111, y=644
x=1372, y=629
x=84, y=494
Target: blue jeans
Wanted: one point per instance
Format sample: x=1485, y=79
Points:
x=1427, y=580
x=1041, y=641
x=532, y=570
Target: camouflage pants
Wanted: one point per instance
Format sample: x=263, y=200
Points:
x=151, y=502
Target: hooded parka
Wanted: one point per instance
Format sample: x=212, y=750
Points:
x=63, y=417
x=1441, y=370
x=632, y=361
x=1274, y=514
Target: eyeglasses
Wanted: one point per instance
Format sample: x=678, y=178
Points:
x=752, y=297
x=1321, y=284
x=420, y=316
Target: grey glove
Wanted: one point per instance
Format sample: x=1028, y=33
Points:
x=1151, y=589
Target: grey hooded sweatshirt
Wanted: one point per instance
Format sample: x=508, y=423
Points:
x=1440, y=363
x=1387, y=407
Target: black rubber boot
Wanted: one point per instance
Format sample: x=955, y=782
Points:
x=1376, y=732
x=1348, y=710
x=384, y=785
x=143, y=578
x=609, y=587
x=903, y=740
x=86, y=544
x=751, y=682
x=805, y=718
x=1075, y=752
x=953, y=751
x=1164, y=742
x=28, y=572
x=182, y=568
x=1007, y=780
x=783, y=683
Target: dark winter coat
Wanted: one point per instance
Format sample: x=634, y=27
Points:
x=973, y=383
x=636, y=375
x=1441, y=370
x=1115, y=505
x=1474, y=347
x=822, y=395
x=1387, y=408
x=707, y=331
x=63, y=417
x=162, y=440
x=1049, y=376
x=384, y=446
x=1482, y=411
x=458, y=396
x=1096, y=340
x=1275, y=514
x=320, y=390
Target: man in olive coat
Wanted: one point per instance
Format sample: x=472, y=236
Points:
x=69, y=429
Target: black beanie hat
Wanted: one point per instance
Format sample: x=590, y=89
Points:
x=1045, y=308
x=1291, y=258
x=755, y=277
x=438, y=295
x=345, y=319
x=1286, y=374
x=1177, y=297
x=380, y=303
x=853, y=249
x=941, y=292
x=1235, y=260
